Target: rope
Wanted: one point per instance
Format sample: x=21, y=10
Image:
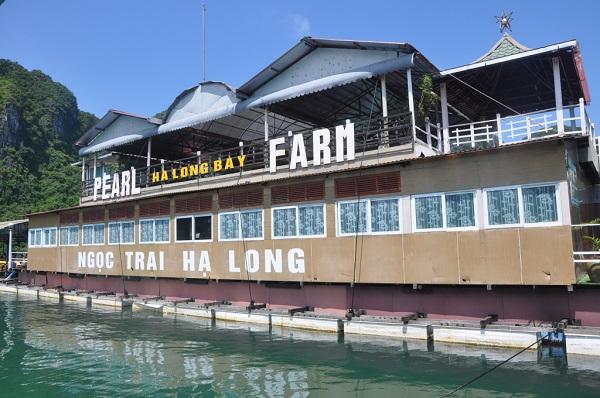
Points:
x=473, y=380
x=358, y=206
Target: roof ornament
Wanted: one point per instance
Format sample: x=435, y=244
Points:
x=504, y=20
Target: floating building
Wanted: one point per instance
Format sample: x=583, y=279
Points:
x=347, y=175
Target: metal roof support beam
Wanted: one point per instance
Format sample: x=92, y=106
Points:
x=266, y=118
x=558, y=95
x=411, y=102
x=384, y=112
x=149, y=152
x=445, y=132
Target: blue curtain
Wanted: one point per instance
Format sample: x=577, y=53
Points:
x=284, y=222
x=460, y=210
x=74, y=235
x=113, y=233
x=99, y=234
x=539, y=204
x=503, y=206
x=229, y=226
x=147, y=227
x=88, y=234
x=64, y=236
x=312, y=220
x=428, y=212
x=127, y=232
x=161, y=230
x=385, y=215
x=252, y=224
x=353, y=217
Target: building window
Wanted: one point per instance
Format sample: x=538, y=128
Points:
x=539, y=204
x=460, y=210
x=428, y=212
x=42, y=237
x=441, y=211
x=93, y=234
x=298, y=221
x=522, y=205
x=374, y=216
x=503, y=206
x=154, y=230
x=193, y=228
x=69, y=236
x=245, y=224
x=120, y=232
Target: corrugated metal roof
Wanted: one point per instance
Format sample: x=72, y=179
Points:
x=307, y=45
x=7, y=224
x=106, y=121
x=365, y=72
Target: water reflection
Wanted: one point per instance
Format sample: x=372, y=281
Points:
x=59, y=349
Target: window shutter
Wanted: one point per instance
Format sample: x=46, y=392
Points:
x=234, y=200
x=93, y=215
x=314, y=190
x=119, y=213
x=195, y=204
x=155, y=209
x=372, y=184
x=69, y=218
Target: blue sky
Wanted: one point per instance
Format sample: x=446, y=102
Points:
x=137, y=55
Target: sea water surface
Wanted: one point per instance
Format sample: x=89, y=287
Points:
x=49, y=349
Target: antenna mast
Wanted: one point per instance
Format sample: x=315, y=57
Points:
x=203, y=42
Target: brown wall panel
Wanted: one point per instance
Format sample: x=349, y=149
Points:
x=490, y=256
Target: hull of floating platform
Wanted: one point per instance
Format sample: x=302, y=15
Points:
x=522, y=304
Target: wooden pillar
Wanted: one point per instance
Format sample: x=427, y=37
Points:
x=411, y=102
x=83, y=169
x=95, y=165
x=558, y=96
x=445, y=131
x=584, y=126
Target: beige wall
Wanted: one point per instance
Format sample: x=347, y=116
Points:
x=529, y=255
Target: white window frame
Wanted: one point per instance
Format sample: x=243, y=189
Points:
x=42, y=239
x=297, y=207
x=92, y=225
x=154, y=241
x=367, y=200
x=522, y=223
x=445, y=226
x=239, y=213
x=120, y=223
x=192, y=216
x=68, y=228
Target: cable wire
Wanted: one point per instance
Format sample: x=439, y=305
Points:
x=473, y=380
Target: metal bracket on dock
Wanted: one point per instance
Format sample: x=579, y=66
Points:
x=412, y=317
x=351, y=313
x=254, y=306
x=213, y=303
x=488, y=320
x=293, y=311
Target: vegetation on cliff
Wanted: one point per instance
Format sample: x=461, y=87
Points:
x=39, y=124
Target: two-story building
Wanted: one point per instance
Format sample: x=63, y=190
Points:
x=347, y=175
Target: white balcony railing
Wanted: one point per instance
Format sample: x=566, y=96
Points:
x=520, y=128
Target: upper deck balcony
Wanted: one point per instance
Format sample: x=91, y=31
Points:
x=399, y=105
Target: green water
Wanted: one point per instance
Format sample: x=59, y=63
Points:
x=61, y=350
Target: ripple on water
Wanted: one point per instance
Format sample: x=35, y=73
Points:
x=57, y=350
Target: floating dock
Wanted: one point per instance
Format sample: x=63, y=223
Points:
x=487, y=332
